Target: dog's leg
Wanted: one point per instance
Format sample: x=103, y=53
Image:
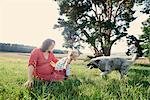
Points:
x=121, y=75
x=122, y=72
x=104, y=74
x=107, y=70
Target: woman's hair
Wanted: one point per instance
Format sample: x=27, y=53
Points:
x=46, y=43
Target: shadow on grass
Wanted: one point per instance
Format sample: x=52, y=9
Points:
x=113, y=87
x=139, y=73
x=65, y=90
x=122, y=91
x=136, y=77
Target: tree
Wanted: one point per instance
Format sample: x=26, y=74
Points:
x=146, y=3
x=146, y=28
x=99, y=23
x=132, y=40
x=146, y=38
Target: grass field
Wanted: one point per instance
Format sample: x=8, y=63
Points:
x=84, y=84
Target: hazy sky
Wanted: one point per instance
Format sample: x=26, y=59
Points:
x=31, y=21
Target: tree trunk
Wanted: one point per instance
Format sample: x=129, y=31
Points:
x=107, y=51
x=97, y=52
x=107, y=44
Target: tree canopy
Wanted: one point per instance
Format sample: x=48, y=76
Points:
x=100, y=23
x=146, y=37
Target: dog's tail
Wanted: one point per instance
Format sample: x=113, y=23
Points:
x=134, y=57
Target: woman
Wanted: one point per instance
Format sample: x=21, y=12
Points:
x=40, y=67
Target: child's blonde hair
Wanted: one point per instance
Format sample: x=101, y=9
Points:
x=74, y=53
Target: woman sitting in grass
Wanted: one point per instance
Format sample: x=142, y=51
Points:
x=40, y=67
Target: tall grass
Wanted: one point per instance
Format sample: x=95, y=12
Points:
x=83, y=84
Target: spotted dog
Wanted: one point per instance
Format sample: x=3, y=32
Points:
x=108, y=64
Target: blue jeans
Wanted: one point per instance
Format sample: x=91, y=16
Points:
x=68, y=71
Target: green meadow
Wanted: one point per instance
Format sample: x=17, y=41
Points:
x=83, y=84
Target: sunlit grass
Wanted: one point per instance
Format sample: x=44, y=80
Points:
x=84, y=84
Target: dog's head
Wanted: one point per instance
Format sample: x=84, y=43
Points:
x=93, y=64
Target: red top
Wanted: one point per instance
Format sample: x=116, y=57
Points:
x=42, y=67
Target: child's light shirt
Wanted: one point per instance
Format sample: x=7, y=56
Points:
x=61, y=64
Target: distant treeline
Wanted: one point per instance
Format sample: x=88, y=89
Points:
x=7, y=47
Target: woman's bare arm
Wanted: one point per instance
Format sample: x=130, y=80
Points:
x=29, y=82
x=30, y=72
x=68, y=61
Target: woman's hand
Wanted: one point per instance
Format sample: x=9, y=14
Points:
x=29, y=84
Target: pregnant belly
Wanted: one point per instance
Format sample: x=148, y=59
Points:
x=45, y=69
